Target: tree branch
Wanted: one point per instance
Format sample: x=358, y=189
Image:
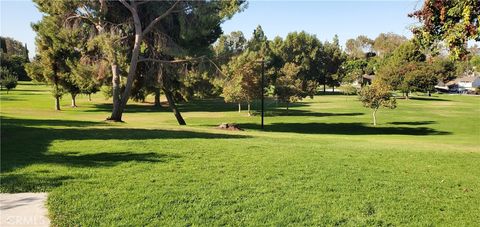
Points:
x=183, y=61
x=89, y=19
x=216, y=66
x=156, y=20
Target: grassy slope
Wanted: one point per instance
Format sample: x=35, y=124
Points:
x=322, y=164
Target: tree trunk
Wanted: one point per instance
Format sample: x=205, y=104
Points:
x=248, y=107
x=57, y=103
x=429, y=94
x=288, y=104
x=171, y=104
x=157, y=98
x=324, y=89
x=239, y=107
x=333, y=89
x=122, y=103
x=89, y=97
x=116, y=113
x=74, y=103
x=57, y=97
x=374, y=117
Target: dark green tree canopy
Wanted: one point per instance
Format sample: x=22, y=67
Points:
x=13, y=56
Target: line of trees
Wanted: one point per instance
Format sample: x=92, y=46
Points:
x=132, y=49
x=300, y=65
x=295, y=67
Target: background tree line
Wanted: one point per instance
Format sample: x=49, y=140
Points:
x=13, y=57
x=132, y=49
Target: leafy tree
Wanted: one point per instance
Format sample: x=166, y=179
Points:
x=475, y=63
x=232, y=91
x=353, y=69
x=386, y=43
x=9, y=82
x=54, y=46
x=87, y=78
x=4, y=71
x=8, y=79
x=408, y=52
x=454, y=22
x=375, y=96
x=243, y=79
x=305, y=51
x=444, y=69
x=126, y=31
x=288, y=87
x=230, y=44
x=258, y=42
x=11, y=46
x=395, y=68
x=333, y=59
x=422, y=78
x=359, y=47
x=13, y=56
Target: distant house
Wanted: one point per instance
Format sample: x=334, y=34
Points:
x=465, y=83
x=442, y=87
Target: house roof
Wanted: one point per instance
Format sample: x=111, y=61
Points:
x=466, y=79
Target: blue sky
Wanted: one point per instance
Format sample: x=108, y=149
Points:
x=348, y=19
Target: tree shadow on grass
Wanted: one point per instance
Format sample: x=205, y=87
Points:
x=344, y=129
x=28, y=90
x=15, y=122
x=199, y=105
x=25, y=182
x=46, y=179
x=131, y=108
x=412, y=122
x=24, y=143
x=219, y=105
x=429, y=99
x=296, y=112
x=9, y=98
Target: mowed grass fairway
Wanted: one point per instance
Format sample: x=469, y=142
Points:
x=320, y=164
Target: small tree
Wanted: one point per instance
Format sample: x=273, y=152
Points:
x=376, y=96
x=232, y=92
x=9, y=81
x=288, y=87
x=243, y=79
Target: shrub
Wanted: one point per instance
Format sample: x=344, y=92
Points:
x=9, y=81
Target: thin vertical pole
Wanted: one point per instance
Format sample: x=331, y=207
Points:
x=263, y=91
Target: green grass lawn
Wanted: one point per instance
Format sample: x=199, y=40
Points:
x=320, y=164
